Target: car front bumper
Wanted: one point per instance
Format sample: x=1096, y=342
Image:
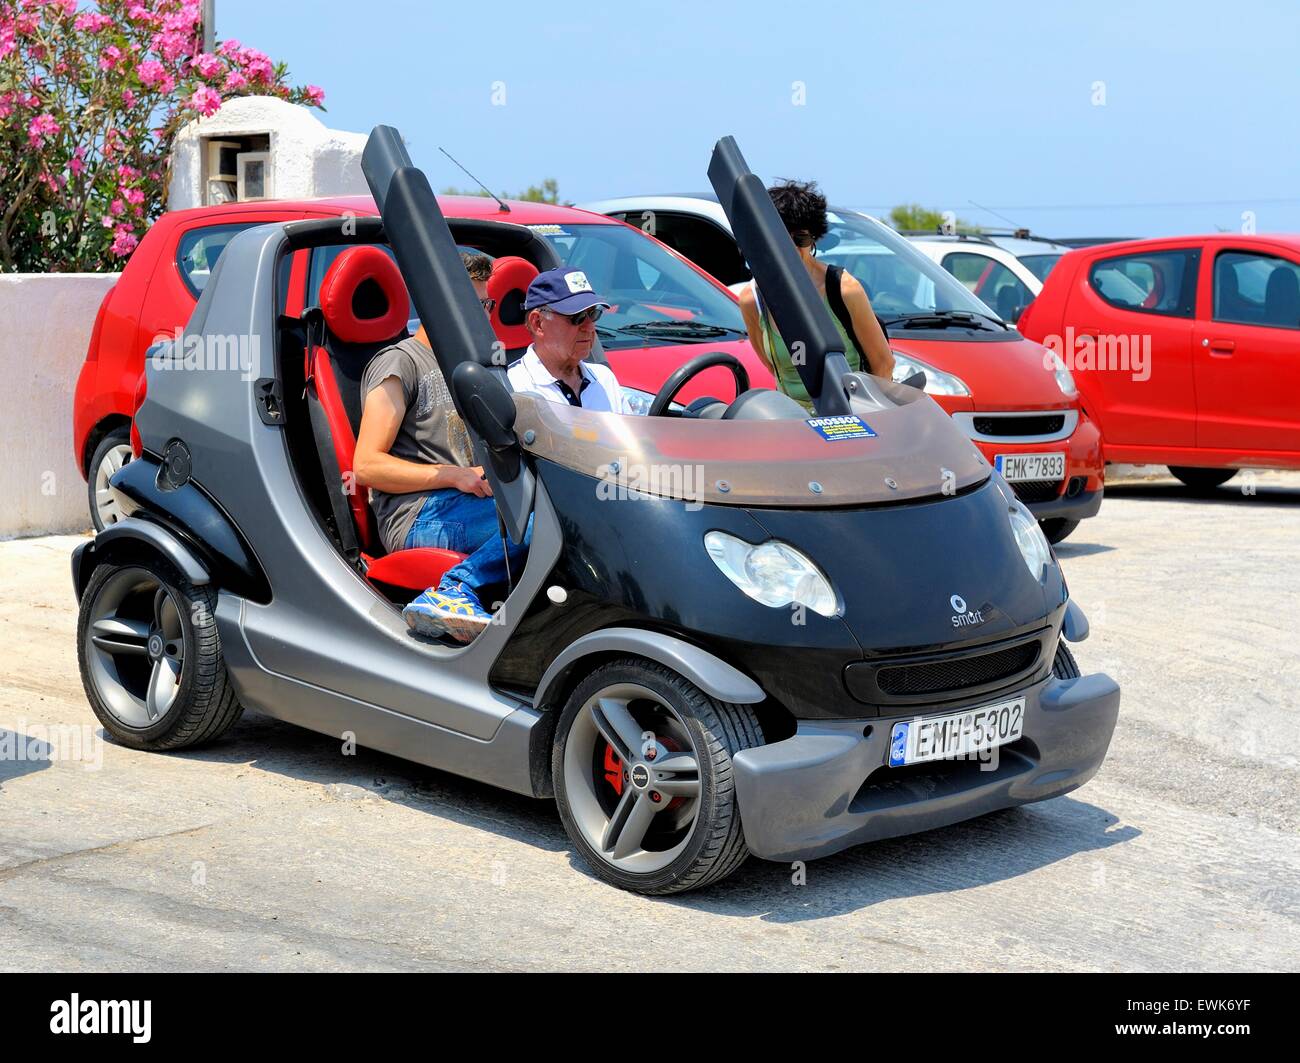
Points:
x=828, y=787
x=1084, y=504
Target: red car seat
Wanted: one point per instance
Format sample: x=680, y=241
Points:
x=508, y=285
x=511, y=276
x=363, y=306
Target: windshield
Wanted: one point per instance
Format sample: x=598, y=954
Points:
x=657, y=299
x=1040, y=265
x=899, y=279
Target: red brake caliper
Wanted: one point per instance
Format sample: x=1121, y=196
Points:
x=614, y=769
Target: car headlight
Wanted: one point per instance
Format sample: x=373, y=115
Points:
x=1031, y=540
x=937, y=382
x=1064, y=378
x=639, y=402
x=772, y=573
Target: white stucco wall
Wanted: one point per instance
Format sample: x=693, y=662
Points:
x=307, y=158
x=45, y=323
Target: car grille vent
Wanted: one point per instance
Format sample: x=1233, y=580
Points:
x=954, y=675
x=1042, y=424
x=1037, y=490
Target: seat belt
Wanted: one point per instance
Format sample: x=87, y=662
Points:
x=344, y=529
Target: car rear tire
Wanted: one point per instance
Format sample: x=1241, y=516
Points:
x=644, y=780
x=150, y=657
x=113, y=452
x=1057, y=528
x=1064, y=666
x=1202, y=479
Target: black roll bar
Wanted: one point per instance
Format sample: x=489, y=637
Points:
x=801, y=317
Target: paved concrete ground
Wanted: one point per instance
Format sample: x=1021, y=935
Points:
x=273, y=851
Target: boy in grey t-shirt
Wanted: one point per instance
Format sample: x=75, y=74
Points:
x=414, y=454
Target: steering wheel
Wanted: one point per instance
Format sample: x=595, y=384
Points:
x=683, y=373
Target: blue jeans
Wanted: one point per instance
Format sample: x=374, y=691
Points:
x=455, y=520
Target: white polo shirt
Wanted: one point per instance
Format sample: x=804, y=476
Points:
x=600, y=389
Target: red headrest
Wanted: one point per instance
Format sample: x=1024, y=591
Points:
x=363, y=297
x=508, y=285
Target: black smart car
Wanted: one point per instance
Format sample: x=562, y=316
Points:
x=738, y=629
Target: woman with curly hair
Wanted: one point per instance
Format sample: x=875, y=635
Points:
x=803, y=212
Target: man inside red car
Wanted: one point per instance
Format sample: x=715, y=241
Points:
x=414, y=454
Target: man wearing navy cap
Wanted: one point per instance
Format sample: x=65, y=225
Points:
x=561, y=310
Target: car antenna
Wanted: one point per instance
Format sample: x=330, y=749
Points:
x=500, y=202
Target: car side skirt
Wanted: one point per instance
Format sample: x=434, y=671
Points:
x=1202, y=458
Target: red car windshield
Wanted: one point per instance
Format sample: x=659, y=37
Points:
x=657, y=298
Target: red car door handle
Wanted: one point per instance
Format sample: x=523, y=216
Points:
x=1219, y=346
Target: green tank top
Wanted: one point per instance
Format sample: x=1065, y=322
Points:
x=788, y=380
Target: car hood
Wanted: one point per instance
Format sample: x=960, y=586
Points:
x=903, y=572
x=1001, y=374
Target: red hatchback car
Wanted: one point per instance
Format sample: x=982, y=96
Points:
x=1186, y=350
x=664, y=308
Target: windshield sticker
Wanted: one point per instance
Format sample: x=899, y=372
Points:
x=833, y=429
x=549, y=230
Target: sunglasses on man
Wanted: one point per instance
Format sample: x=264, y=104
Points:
x=592, y=313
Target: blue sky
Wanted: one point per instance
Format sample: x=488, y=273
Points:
x=945, y=104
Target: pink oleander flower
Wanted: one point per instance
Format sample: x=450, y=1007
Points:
x=315, y=95
x=172, y=45
x=41, y=127
x=205, y=100
x=92, y=22
x=229, y=48
x=76, y=165
x=123, y=243
x=128, y=98
x=257, y=65
x=150, y=72
x=207, y=64
x=181, y=21
x=234, y=80
x=139, y=13
x=133, y=196
x=110, y=57
x=117, y=207
x=127, y=172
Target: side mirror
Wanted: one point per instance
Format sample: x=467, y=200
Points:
x=489, y=410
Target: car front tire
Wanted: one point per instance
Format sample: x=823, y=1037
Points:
x=644, y=779
x=1057, y=528
x=1202, y=479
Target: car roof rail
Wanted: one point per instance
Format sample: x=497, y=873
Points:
x=800, y=315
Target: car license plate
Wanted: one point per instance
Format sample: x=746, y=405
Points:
x=1021, y=467
x=955, y=735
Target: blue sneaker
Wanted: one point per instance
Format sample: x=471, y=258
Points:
x=450, y=608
